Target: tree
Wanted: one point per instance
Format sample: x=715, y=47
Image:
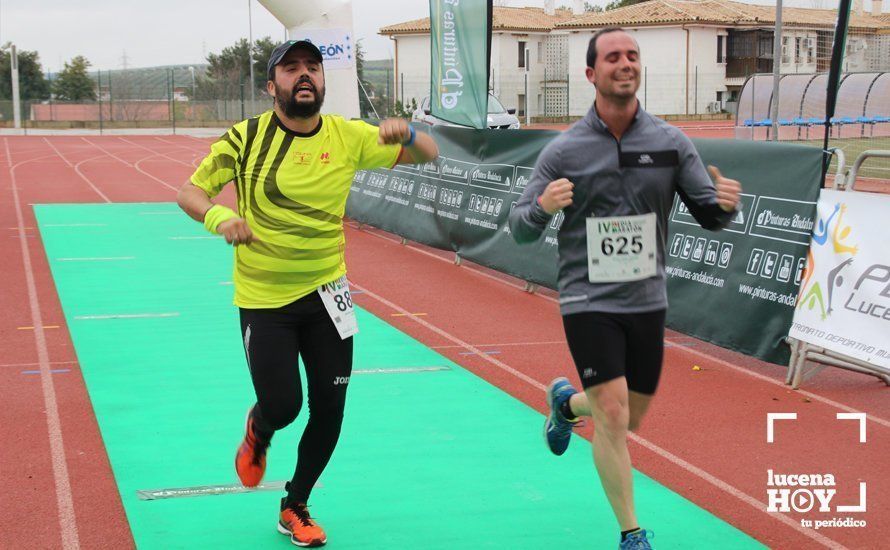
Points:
x=405, y=111
x=73, y=83
x=615, y=4
x=129, y=90
x=364, y=102
x=231, y=67
x=32, y=83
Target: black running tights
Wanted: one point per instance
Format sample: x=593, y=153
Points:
x=273, y=340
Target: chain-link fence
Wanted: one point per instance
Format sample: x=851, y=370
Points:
x=146, y=98
x=548, y=96
x=172, y=98
x=795, y=108
x=149, y=98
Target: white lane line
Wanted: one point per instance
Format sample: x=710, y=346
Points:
x=441, y=259
x=133, y=143
x=200, y=150
x=670, y=457
x=64, y=500
x=59, y=153
x=686, y=348
x=813, y=396
x=140, y=170
x=125, y=316
x=448, y=336
x=77, y=170
x=97, y=259
x=403, y=370
x=548, y=343
x=37, y=364
x=744, y=497
x=670, y=344
x=74, y=225
x=52, y=371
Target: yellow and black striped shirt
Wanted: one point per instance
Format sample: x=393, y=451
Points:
x=292, y=190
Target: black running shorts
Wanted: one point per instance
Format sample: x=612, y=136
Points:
x=606, y=346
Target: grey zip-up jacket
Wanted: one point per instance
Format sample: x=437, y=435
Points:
x=637, y=175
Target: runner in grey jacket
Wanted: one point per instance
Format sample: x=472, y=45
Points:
x=637, y=175
x=614, y=175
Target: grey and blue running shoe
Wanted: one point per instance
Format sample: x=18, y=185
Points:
x=638, y=540
x=557, y=428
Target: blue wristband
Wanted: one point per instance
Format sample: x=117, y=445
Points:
x=410, y=141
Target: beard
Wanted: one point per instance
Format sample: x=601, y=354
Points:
x=619, y=92
x=625, y=93
x=299, y=109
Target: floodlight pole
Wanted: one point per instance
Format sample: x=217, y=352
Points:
x=834, y=75
x=16, y=100
x=777, y=71
x=527, y=98
x=250, y=51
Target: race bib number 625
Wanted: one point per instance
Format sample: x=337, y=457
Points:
x=621, y=248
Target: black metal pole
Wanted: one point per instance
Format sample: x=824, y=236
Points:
x=167, y=91
x=173, y=98
x=99, y=86
x=110, y=99
x=52, y=117
x=834, y=75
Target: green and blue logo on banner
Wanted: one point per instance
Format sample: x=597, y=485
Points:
x=460, y=32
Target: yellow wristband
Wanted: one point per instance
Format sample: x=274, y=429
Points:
x=216, y=215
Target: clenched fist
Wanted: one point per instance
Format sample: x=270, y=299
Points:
x=236, y=231
x=556, y=196
x=393, y=131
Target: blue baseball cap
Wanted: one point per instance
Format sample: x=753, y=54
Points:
x=281, y=50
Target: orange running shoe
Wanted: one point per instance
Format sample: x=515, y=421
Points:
x=295, y=521
x=250, y=460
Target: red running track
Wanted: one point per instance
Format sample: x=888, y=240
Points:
x=704, y=437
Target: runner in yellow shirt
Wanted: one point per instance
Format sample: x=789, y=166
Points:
x=292, y=169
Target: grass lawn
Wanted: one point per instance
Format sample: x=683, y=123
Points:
x=852, y=147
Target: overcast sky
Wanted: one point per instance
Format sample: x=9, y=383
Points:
x=165, y=32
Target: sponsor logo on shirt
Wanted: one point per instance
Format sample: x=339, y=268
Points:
x=645, y=159
x=325, y=158
x=302, y=158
